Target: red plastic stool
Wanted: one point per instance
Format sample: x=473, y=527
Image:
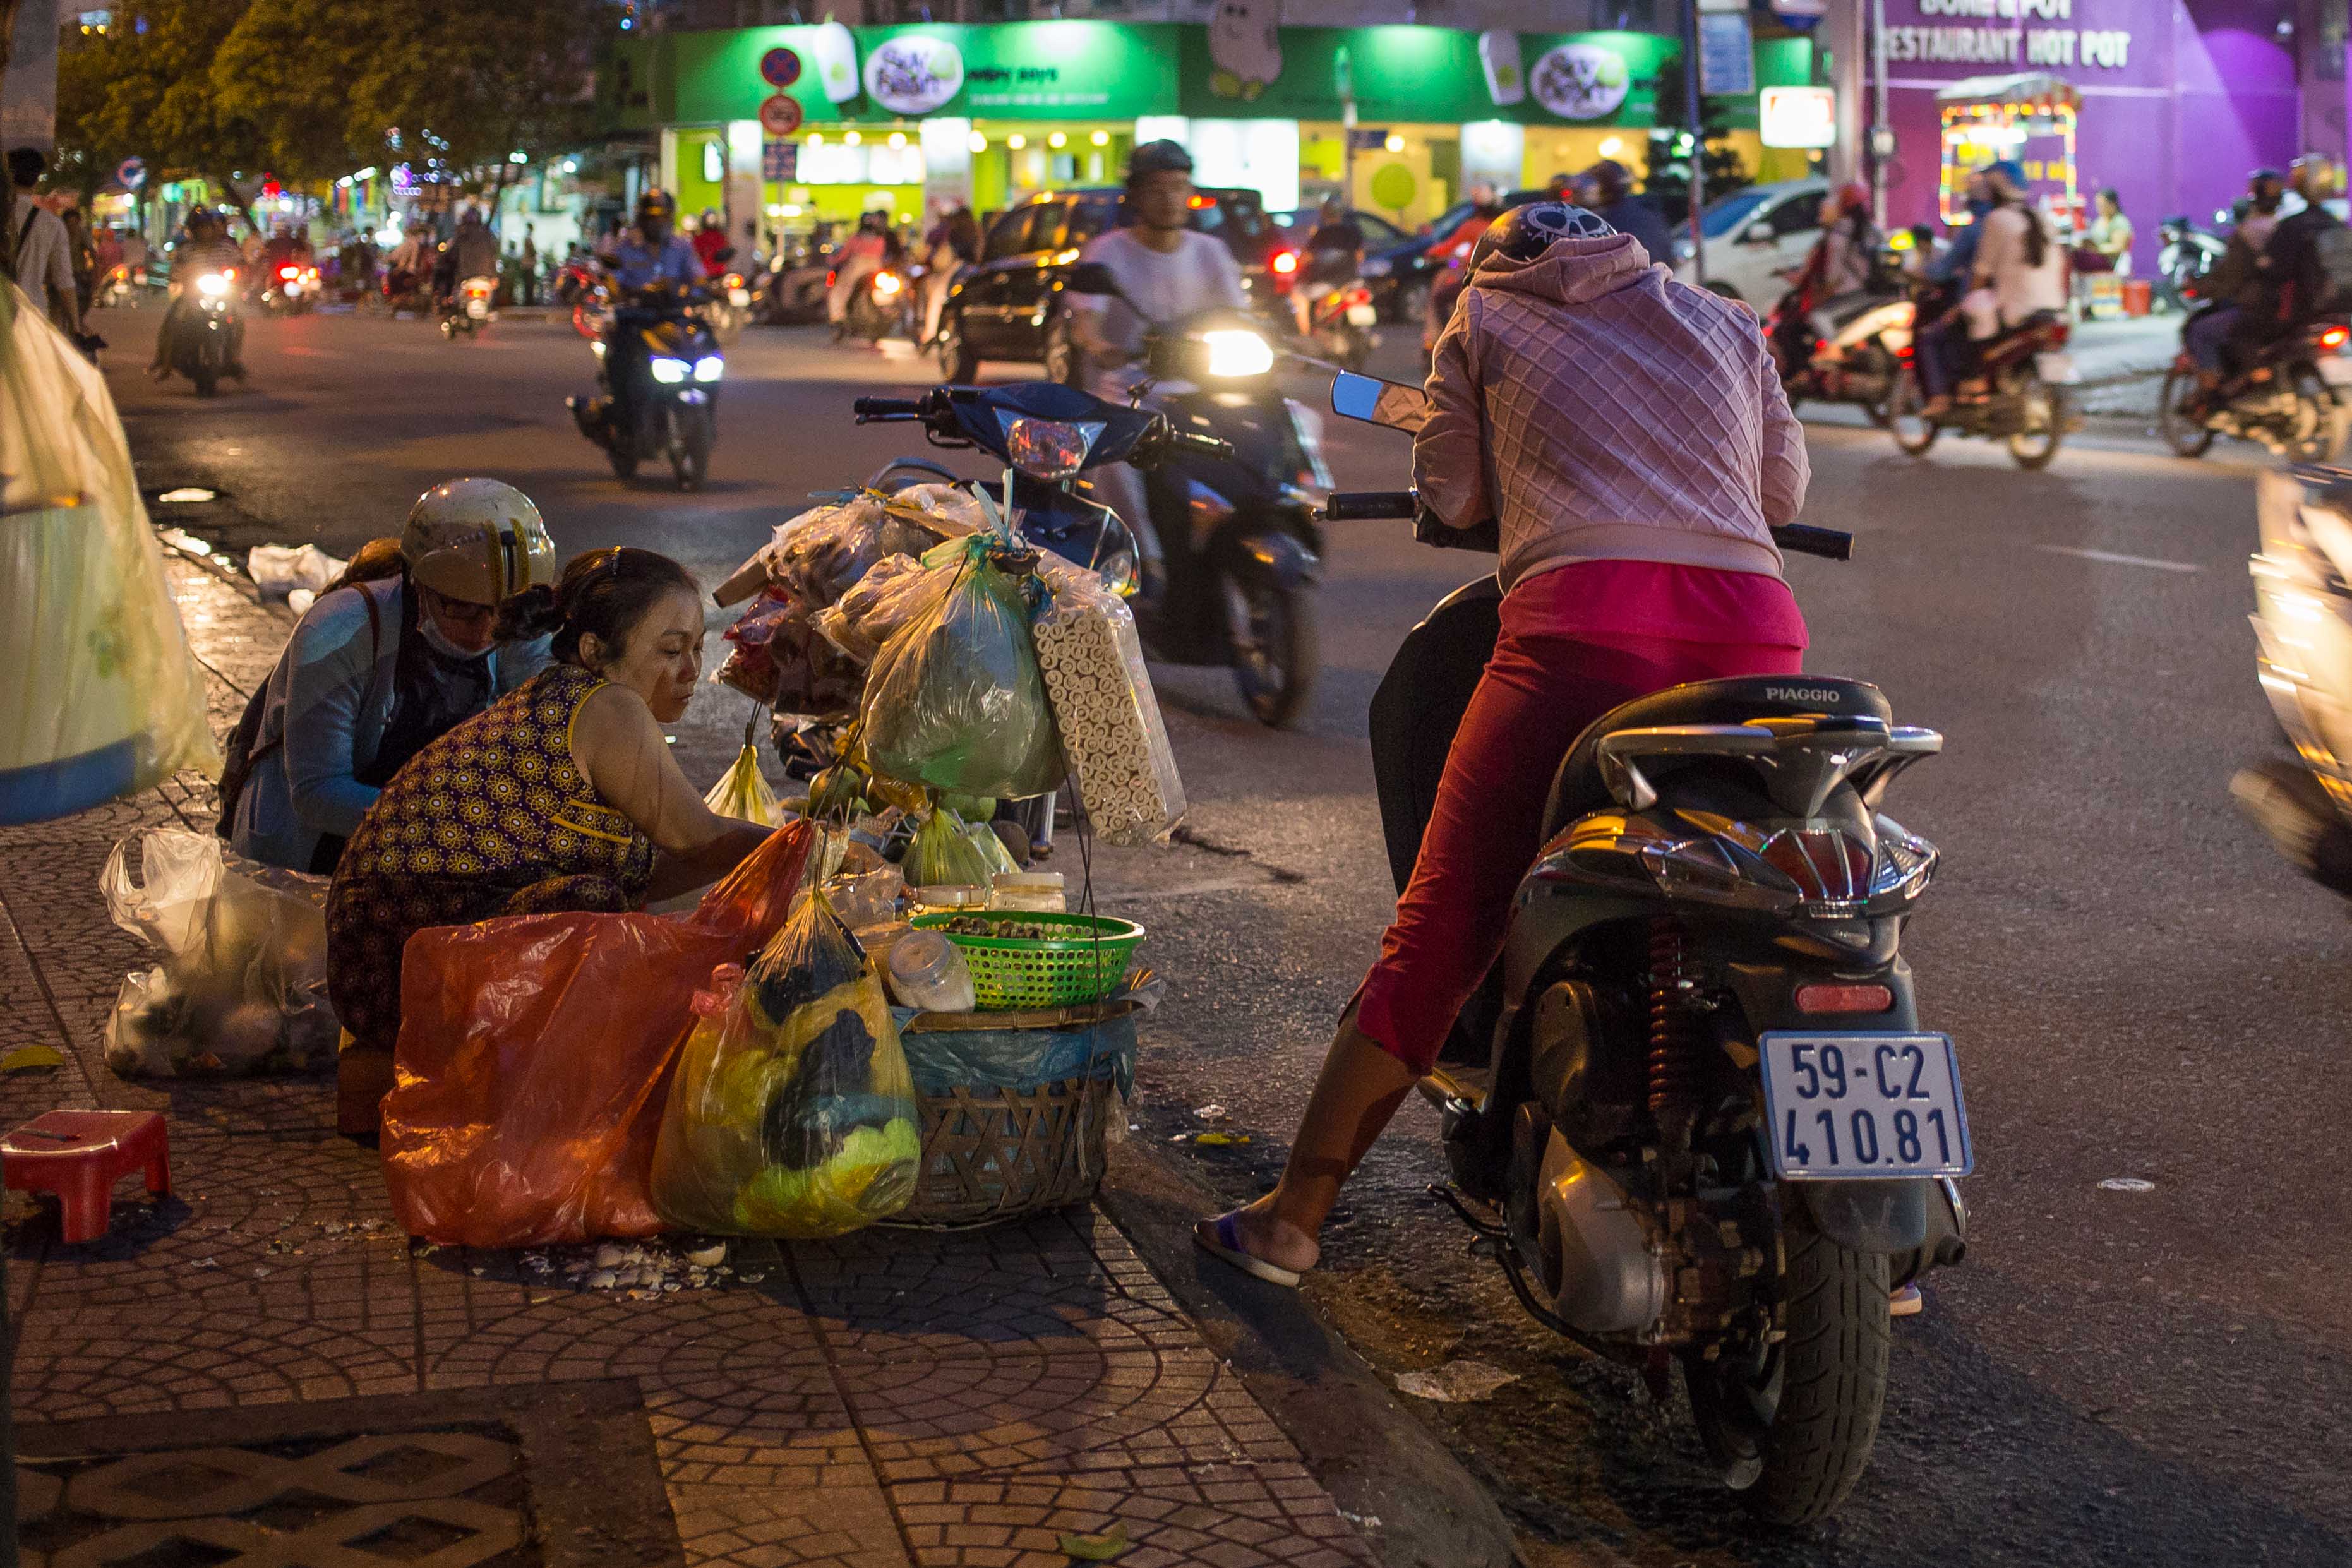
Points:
x=79, y=1155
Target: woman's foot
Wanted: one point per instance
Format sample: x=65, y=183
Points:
x=1906, y=1302
x=1280, y=1251
x=1935, y=407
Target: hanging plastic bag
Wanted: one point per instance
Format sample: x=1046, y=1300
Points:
x=743, y=792
x=792, y=1115
x=883, y=603
x=991, y=845
x=942, y=855
x=99, y=697
x=955, y=700
x=535, y=1055
x=1109, y=718
x=242, y=989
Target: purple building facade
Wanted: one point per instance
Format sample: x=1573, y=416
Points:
x=2179, y=98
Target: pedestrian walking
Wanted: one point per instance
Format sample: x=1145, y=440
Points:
x=43, y=252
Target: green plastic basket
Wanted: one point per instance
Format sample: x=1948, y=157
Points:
x=1025, y=974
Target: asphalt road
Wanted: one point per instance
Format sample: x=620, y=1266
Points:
x=2138, y=987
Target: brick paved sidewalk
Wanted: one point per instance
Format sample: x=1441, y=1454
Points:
x=892, y=1398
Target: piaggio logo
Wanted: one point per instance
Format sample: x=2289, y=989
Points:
x=1827, y=695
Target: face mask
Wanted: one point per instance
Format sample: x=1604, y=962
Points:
x=439, y=640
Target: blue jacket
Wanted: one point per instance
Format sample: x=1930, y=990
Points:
x=1957, y=263
x=638, y=264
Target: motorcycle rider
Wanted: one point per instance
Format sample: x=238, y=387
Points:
x=1454, y=248
x=953, y=245
x=411, y=262
x=2018, y=270
x=2305, y=270
x=861, y=256
x=1335, y=256
x=1635, y=556
x=711, y=241
x=1607, y=188
x=384, y=663
x=472, y=252
x=2235, y=283
x=650, y=253
x=1168, y=271
x=1839, y=264
x=206, y=248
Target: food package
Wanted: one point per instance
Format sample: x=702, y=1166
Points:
x=1109, y=721
x=750, y=667
x=99, y=697
x=743, y=792
x=927, y=972
x=870, y=898
x=944, y=855
x=242, y=990
x=792, y=1115
x=955, y=700
x=884, y=600
x=536, y=1052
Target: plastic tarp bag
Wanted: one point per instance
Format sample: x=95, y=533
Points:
x=242, y=987
x=955, y=700
x=99, y=697
x=792, y=1115
x=535, y=1053
x=1112, y=734
x=743, y=792
x=1021, y=1059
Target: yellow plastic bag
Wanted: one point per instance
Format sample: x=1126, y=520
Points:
x=793, y=1114
x=743, y=793
x=99, y=697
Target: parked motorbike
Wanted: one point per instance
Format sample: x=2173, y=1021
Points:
x=2303, y=628
x=1857, y=362
x=2185, y=254
x=664, y=398
x=1341, y=324
x=792, y=291
x=2295, y=399
x=2026, y=370
x=289, y=287
x=469, y=309
x=1706, y=1127
x=203, y=336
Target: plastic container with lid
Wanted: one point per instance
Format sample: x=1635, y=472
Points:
x=1029, y=892
x=943, y=896
x=928, y=971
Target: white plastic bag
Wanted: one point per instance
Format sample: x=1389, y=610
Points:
x=279, y=571
x=1105, y=708
x=242, y=990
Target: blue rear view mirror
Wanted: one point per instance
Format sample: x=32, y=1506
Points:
x=1374, y=402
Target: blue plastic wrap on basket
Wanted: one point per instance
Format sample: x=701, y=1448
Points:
x=1021, y=1059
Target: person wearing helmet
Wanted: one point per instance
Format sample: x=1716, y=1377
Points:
x=203, y=247
x=561, y=796
x=388, y=659
x=473, y=251
x=1839, y=267
x=2235, y=283
x=649, y=260
x=1608, y=189
x=1166, y=271
x=710, y=246
x=2307, y=267
x=2019, y=273
x=1627, y=434
x=860, y=257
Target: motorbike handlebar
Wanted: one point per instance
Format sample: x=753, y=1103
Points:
x=1205, y=445
x=1830, y=544
x=868, y=409
x=1360, y=505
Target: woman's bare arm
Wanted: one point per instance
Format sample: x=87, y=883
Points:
x=618, y=746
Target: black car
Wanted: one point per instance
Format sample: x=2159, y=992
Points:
x=1009, y=306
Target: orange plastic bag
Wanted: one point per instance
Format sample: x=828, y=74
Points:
x=535, y=1055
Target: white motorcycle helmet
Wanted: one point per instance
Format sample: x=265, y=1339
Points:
x=478, y=541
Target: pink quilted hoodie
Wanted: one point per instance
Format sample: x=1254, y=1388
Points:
x=1601, y=411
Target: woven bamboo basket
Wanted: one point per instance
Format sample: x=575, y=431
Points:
x=996, y=1154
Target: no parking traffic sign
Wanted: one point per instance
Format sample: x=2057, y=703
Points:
x=780, y=115
x=780, y=68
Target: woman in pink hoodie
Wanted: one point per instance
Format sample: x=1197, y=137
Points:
x=1629, y=434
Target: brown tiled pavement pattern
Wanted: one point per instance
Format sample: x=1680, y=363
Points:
x=889, y=1400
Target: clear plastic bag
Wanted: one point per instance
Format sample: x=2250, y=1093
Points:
x=943, y=854
x=99, y=697
x=955, y=700
x=280, y=570
x=743, y=792
x=884, y=600
x=792, y=1113
x=1108, y=717
x=242, y=990
x=868, y=899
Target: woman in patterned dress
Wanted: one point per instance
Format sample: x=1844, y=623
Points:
x=561, y=796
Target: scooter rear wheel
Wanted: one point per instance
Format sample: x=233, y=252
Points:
x=2186, y=434
x=1913, y=431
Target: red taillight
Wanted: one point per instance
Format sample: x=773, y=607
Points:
x=2335, y=338
x=1843, y=999
x=1357, y=296
x=1199, y=202
x=1825, y=865
x=1286, y=262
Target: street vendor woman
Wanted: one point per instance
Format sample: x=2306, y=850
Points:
x=561, y=796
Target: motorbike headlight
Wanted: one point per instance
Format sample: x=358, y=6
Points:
x=1048, y=449
x=886, y=284
x=1237, y=352
x=1378, y=267
x=709, y=368
x=669, y=372
x=211, y=284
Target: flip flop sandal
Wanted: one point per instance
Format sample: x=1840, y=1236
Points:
x=1228, y=1246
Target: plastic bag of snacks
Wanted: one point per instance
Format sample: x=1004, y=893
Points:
x=954, y=700
x=943, y=854
x=885, y=599
x=792, y=1113
x=1092, y=662
x=743, y=792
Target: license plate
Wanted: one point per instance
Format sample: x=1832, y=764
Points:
x=2336, y=371
x=1362, y=316
x=739, y=298
x=1842, y=1107
x=2057, y=370
x=293, y=288
x=478, y=309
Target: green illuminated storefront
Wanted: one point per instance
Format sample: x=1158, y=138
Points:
x=1403, y=118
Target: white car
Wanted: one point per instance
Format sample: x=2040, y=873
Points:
x=1754, y=234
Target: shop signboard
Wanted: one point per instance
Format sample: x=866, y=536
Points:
x=1797, y=117
x=780, y=161
x=1727, y=54
x=1420, y=75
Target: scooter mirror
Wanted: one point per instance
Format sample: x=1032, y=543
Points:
x=1091, y=277
x=1392, y=403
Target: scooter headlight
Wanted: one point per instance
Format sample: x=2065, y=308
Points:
x=1236, y=351
x=1048, y=449
x=669, y=372
x=212, y=285
x=709, y=368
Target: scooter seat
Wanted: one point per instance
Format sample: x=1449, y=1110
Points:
x=1577, y=789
